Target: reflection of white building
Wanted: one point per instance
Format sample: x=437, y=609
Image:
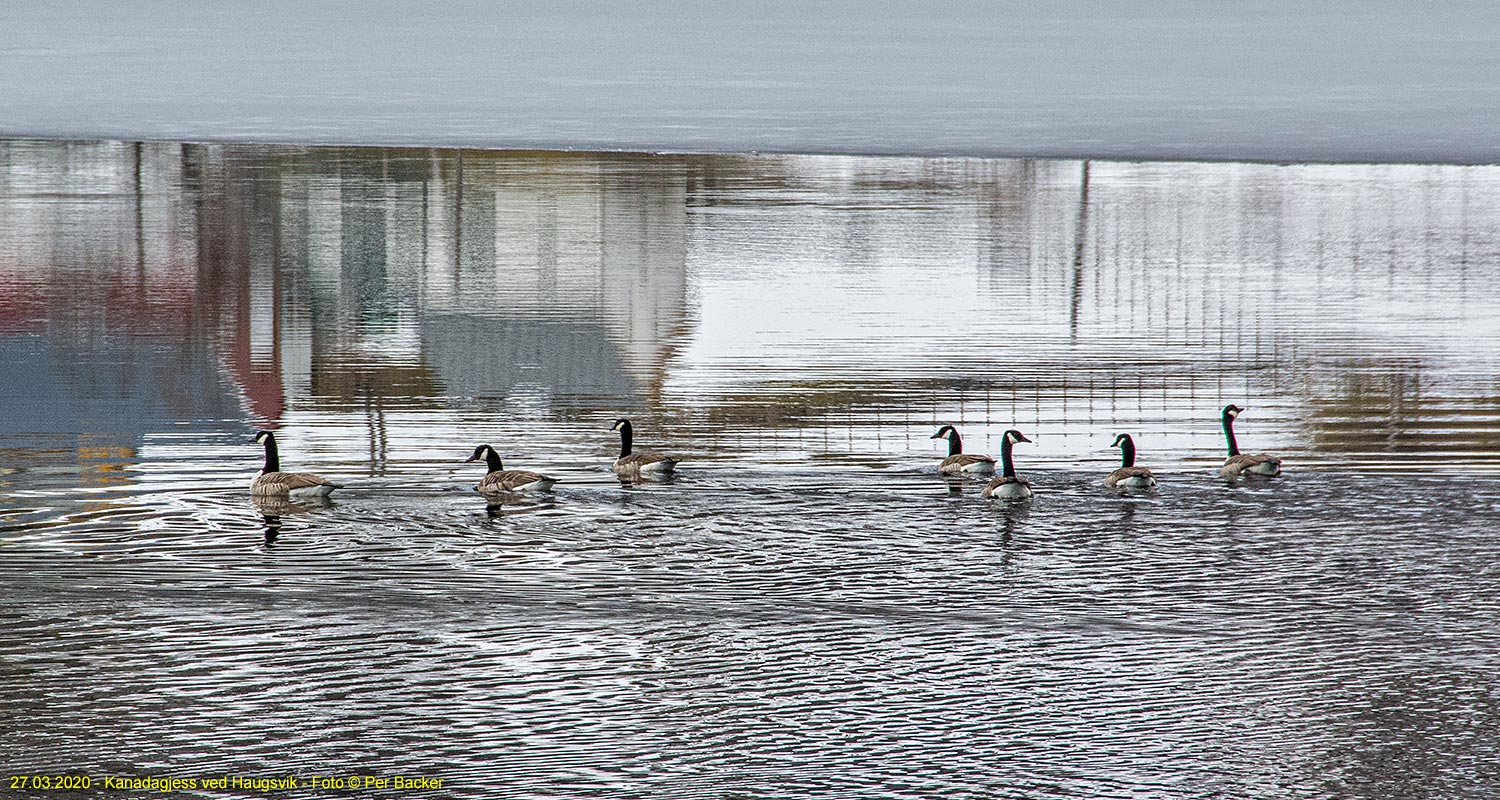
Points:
x=551, y=251
x=491, y=270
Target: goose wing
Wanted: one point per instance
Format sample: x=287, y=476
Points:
x=637, y=461
x=1124, y=473
x=271, y=483
x=958, y=462
x=1003, y=480
x=509, y=480
x=1259, y=463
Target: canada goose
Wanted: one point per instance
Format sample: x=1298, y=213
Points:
x=1129, y=476
x=272, y=482
x=634, y=465
x=1009, y=485
x=499, y=479
x=958, y=461
x=1237, y=464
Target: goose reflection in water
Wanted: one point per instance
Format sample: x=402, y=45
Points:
x=272, y=509
x=498, y=507
x=1014, y=518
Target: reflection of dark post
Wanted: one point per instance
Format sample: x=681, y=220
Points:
x=458, y=221
x=426, y=188
x=1078, y=237
x=140, y=224
x=1463, y=236
x=546, y=257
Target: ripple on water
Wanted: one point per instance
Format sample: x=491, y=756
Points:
x=834, y=638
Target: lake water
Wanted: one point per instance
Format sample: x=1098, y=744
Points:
x=808, y=609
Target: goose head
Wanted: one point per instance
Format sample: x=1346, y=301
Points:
x=1012, y=436
x=944, y=432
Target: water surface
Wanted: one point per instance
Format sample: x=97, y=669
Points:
x=808, y=609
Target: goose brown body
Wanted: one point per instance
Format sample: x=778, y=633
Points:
x=967, y=462
x=1130, y=478
x=1244, y=464
x=1011, y=486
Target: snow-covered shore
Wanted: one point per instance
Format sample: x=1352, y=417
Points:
x=1270, y=81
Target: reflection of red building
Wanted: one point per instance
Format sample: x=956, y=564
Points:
x=97, y=251
x=258, y=379
x=95, y=239
x=23, y=307
x=235, y=262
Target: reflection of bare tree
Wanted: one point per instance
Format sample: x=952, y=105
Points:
x=1382, y=411
x=1075, y=296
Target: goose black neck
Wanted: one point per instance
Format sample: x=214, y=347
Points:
x=1007, y=465
x=1234, y=448
x=492, y=460
x=955, y=444
x=626, y=435
x=273, y=461
x=1127, y=453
